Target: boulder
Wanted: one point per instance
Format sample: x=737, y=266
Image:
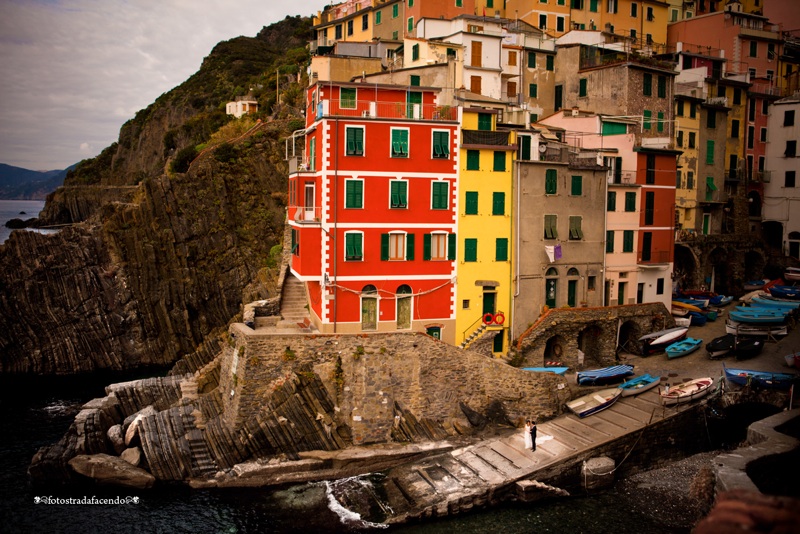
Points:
x=133, y=430
x=116, y=438
x=112, y=471
x=132, y=455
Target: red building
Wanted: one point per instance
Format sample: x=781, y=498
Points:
x=656, y=170
x=372, y=207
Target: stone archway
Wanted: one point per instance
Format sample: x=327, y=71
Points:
x=589, y=342
x=754, y=204
x=629, y=334
x=555, y=350
x=754, y=264
x=718, y=261
x=685, y=271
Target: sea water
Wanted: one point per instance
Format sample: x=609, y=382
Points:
x=12, y=209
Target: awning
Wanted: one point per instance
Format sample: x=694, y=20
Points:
x=710, y=183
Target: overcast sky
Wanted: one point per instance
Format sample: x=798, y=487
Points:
x=73, y=71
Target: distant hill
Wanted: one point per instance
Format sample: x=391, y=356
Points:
x=17, y=183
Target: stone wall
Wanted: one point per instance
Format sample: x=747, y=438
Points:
x=561, y=333
x=376, y=382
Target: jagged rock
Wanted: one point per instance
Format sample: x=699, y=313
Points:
x=116, y=438
x=132, y=455
x=476, y=419
x=111, y=470
x=132, y=431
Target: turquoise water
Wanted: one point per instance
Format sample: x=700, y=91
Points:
x=10, y=209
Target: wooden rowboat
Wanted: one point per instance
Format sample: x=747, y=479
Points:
x=594, y=402
x=639, y=384
x=684, y=347
x=686, y=392
x=762, y=379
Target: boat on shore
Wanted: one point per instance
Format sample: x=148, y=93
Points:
x=639, y=384
x=742, y=329
x=687, y=304
x=768, y=301
x=658, y=341
x=686, y=392
x=757, y=317
x=747, y=347
x=720, y=346
x=792, y=274
x=755, y=285
x=606, y=375
x=762, y=379
x=683, y=347
x=698, y=319
x=556, y=370
x=594, y=402
x=785, y=292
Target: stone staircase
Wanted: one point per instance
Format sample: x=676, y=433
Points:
x=294, y=311
x=474, y=336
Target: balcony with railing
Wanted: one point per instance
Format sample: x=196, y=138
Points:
x=484, y=137
x=385, y=110
x=762, y=176
x=584, y=160
x=310, y=215
x=765, y=88
x=654, y=256
x=622, y=178
x=734, y=175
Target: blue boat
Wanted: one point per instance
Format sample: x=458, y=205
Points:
x=772, y=302
x=756, y=317
x=721, y=300
x=698, y=319
x=684, y=347
x=785, y=292
x=606, y=375
x=762, y=379
x=556, y=370
x=639, y=384
x=764, y=310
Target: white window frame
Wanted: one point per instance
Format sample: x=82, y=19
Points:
x=344, y=248
x=362, y=192
x=439, y=236
x=390, y=193
x=408, y=136
x=398, y=239
x=433, y=153
x=363, y=140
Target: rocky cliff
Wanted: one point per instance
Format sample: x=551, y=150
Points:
x=153, y=261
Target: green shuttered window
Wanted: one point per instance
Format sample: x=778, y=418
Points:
x=473, y=160
x=399, y=194
x=439, y=194
x=353, y=250
x=354, y=194
x=498, y=203
x=501, y=249
x=441, y=145
x=354, y=141
x=399, y=143
x=470, y=249
x=471, y=203
x=551, y=182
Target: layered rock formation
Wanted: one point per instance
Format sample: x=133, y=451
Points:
x=146, y=281
x=268, y=414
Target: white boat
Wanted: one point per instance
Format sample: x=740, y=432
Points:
x=686, y=392
x=594, y=402
x=742, y=329
x=792, y=274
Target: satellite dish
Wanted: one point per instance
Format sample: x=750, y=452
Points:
x=542, y=148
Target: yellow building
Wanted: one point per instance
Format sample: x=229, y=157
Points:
x=550, y=16
x=687, y=139
x=643, y=21
x=484, y=229
x=360, y=21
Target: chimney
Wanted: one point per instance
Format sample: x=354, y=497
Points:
x=575, y=110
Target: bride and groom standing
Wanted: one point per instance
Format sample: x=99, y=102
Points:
x=529, y=435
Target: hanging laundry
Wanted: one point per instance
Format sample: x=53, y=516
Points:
x=550, y=253
x=558, y=251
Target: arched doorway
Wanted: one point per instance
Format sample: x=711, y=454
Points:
x=629, y=334
x=773, y=234
x=572, y=286
x=754, y=204
x=555, y=351
x=718, y=279
x=403, y=307
x=589, y=343
x=683, y=276
x=551, y=287
x=369, y=308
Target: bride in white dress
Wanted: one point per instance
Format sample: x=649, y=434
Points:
x=527, y=435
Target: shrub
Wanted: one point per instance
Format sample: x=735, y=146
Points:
x=182, y=159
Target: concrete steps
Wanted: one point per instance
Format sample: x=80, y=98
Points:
x=294, y=310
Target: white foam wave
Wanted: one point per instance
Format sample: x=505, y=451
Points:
x=348, y=517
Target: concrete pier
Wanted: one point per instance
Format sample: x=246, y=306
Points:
x=501, y=468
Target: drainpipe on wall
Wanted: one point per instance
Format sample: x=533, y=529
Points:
x=335, y=219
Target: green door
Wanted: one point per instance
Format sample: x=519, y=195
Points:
x=621, y=293
x=525, y=147
x=559, y=100
x=369, y=313
x=434, y=331
x=550, y=292
x=414, y=105
x=706, y=223
x=572, y=291
x=489, y=302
